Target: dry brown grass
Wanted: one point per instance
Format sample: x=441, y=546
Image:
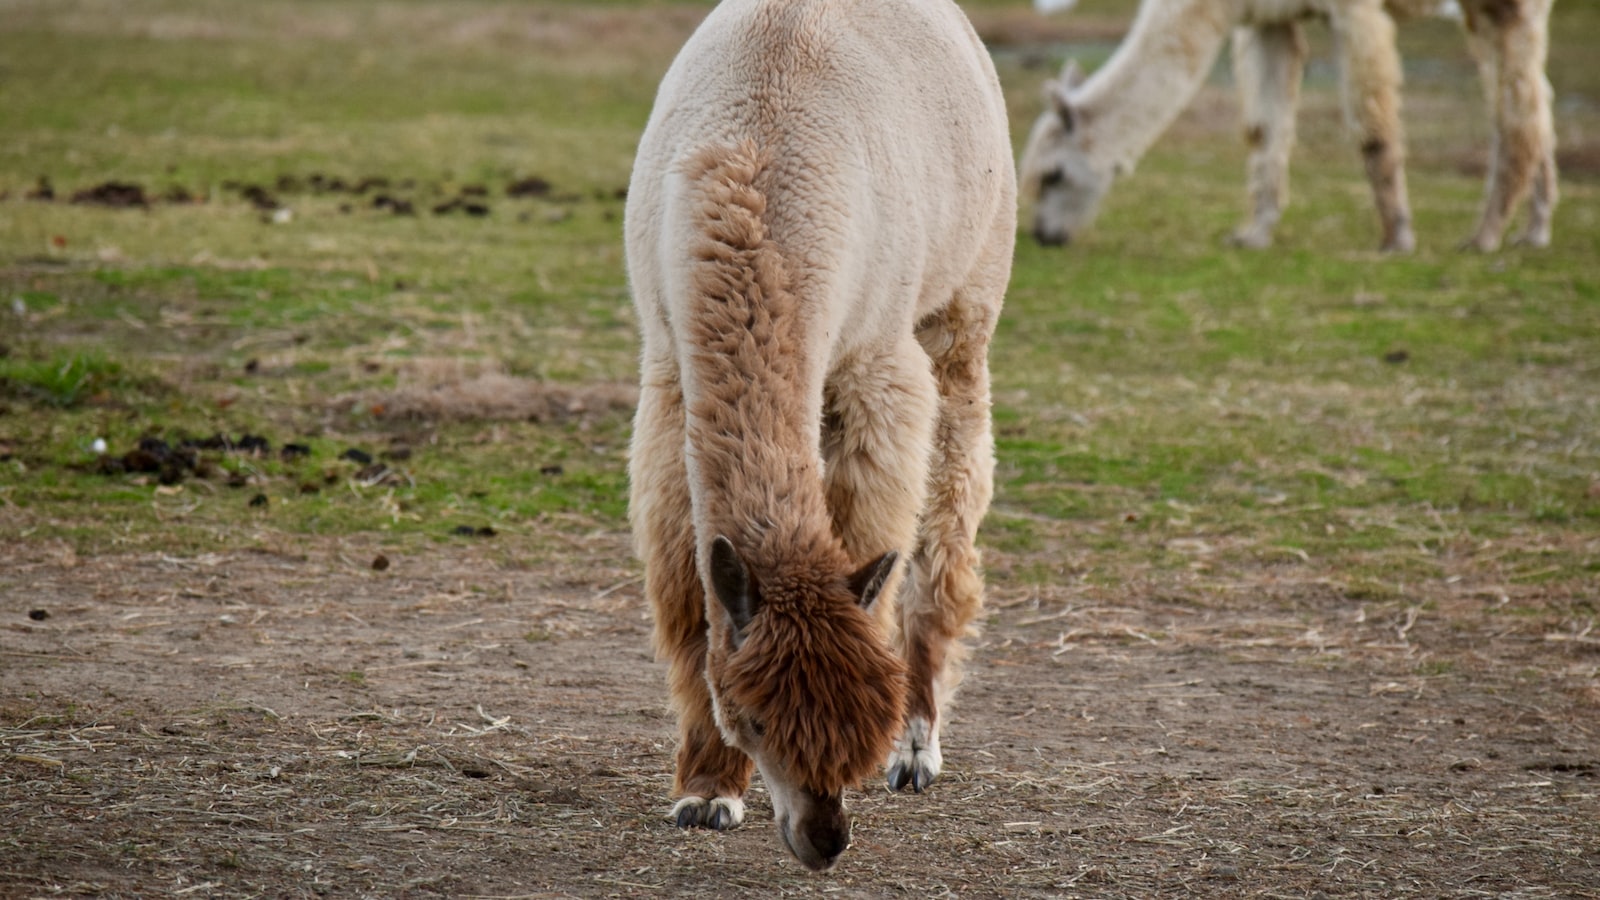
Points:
x=256, y=724
x=458, y=390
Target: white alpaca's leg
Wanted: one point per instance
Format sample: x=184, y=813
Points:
x=944, y=591
x=1542, y=199
x=711, y=777
x=1268, y=62
x=1370, y=66
x=1511, y=43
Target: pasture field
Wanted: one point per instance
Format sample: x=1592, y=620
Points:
x=316, y=367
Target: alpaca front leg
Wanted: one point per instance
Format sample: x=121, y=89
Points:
x=944, y=591
x=711, y=777
x=1268, y=63
x=881, y=413
x=1370, y=65
x=942, y=596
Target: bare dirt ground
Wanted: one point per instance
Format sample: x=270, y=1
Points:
x=300, y=724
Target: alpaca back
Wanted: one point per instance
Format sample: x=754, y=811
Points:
x=868, y=189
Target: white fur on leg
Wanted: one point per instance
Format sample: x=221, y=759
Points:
x=718, y=813
x=915, y=759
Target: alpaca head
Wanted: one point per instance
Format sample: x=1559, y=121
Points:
x=1057, y=172
x=804, y=682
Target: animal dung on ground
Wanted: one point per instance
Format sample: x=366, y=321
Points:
x=395, y=205
x=114, y=194
x=173, y=462
x=532, y=186
x=471, y=208
x=260, y=198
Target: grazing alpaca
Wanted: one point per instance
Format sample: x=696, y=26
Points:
x=1099, y=128
x=819, y=233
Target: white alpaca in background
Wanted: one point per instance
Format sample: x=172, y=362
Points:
x=1093, y=130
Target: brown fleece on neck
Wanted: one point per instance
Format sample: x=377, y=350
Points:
x=760, y=481
x=815, y=669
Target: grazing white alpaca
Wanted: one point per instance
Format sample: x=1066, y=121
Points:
x=1096, y=129
x=819, y=234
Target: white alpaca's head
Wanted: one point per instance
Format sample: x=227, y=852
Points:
x=1057, y=171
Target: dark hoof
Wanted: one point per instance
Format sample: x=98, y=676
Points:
x=718, y=813
x=721, y=818
x=692, y=815
x=899, y=776
x=918, y=775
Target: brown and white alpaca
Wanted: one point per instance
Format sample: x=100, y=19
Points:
x=1093, y=130
x=819, y=233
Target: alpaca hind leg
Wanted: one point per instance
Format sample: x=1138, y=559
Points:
x=1268, y=63
x=711, y=776
x=1542, y=199
x=944, y=591
x=1511, y=44
x=1370, y=65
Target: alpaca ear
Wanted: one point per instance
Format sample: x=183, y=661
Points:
x=868, y=583
x=1071, y=76
x=730, y=581
x=1058, y=95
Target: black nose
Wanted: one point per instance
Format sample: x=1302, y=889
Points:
x=1051, y=238
x=829, y=835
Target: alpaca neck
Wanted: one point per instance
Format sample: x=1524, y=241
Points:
x=1155, y=71
x=753, y=400
x=759, y=475
x=754, y=437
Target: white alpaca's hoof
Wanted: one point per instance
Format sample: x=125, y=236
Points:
x=1251, y=238
x=718, y=813
x=1537, y=239
x=915, y=759
x=1404, y=241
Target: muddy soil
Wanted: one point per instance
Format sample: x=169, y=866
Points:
x=303, y=724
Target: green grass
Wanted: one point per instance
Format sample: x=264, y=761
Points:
x=60, y=382
x=1162, y=402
